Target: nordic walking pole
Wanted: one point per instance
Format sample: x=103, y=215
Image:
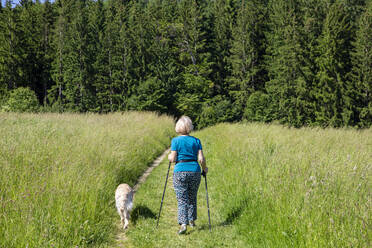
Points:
x=206, y=190
x=165, y=186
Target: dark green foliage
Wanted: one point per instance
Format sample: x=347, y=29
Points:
x=299, y=62
x=214, y=111
x=224, y=12
x=333, y=61
x=247, y=53
x=258, y=107
x=288, y=86
x=360, y=89
x=21, y=100
x=78, y=76
x=11, y=49
x=150, y=95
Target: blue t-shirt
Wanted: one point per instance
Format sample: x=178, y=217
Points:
x=187, y=148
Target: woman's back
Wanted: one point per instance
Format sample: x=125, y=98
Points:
x=187, y=148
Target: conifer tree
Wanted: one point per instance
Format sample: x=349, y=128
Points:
x=196, y=85
x=3, y=85
x=247, y=54
x=113, y=59
x=31, y=43
x=224, y=12
x=46, y=46
x=313, y=13
x=57, y=93
x=164, y=69
x=78, y=73
x=360, y=89
x=139, y=57
x=100, y=21
x=287, y=84
x=334, y=64
x=11, y=49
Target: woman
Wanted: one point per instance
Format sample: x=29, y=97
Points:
x=186, y=151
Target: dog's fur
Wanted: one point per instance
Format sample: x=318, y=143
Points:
x=124, y=203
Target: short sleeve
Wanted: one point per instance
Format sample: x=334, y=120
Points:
x=199, y=144
x=173, y=145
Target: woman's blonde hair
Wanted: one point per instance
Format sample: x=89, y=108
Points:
x=184, y=125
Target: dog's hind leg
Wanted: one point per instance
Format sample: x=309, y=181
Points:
x=122, y=218
x=126, y=218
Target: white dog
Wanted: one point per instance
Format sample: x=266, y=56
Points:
x=124, y=203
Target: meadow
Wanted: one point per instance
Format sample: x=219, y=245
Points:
x=269, y=186
x=58, y=173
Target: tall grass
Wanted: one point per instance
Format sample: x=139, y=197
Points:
x=58, y=173
x=269, y=186
x=292, y=187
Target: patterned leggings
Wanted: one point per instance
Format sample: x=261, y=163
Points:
x=186, y=185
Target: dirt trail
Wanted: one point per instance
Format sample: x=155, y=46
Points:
x=120, y=236
x=148, y=171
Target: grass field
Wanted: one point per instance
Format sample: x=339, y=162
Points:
x=58, y=174
x=269, y=186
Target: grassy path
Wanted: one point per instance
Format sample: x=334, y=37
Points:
x=120, y=236
x=143, y=231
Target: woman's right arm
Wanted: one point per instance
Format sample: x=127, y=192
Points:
x=202, y=161
x=172, y=156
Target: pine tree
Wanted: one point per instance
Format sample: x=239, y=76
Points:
x=247, y=54
x=287, y=85
x=31, y=39
x=360, y=90
x=139, y=58
x=313, y=14
x=194, y=58
x=164, y=69
x=3, y=85
x=113, y=59
x=78, y=73
x=11, y=50
x=47, y=48
x=224, y=12
x=57, y=93
x=334, y=64
x=100, y=19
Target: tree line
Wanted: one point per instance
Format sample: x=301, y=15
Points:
x=297, y=62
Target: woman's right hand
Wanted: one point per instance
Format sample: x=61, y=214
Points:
x=204, y=172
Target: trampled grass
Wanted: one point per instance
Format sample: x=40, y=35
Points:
x=269, y=186
x=58, y=173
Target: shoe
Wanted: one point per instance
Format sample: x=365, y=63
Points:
x=192, y=223
x=182, y=229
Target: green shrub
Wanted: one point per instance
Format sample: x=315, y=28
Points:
x=258, y=107
x=214, y=111
x=21, y=100
x=151, y=96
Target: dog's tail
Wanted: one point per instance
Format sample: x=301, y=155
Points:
x=129, y=204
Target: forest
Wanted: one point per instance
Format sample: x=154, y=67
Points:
x=294, y=62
